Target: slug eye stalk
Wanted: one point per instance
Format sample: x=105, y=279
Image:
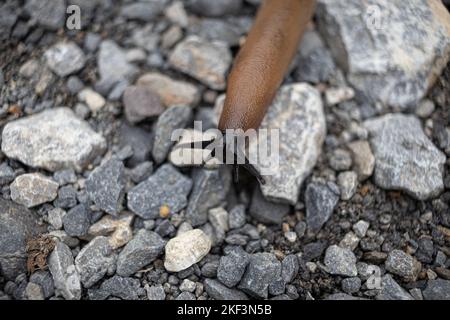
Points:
x=227, y=151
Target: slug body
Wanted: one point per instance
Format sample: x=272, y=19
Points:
x=263, y=60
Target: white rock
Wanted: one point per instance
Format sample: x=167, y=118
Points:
x=65, y=58
x=186, y=249
x=94, y=100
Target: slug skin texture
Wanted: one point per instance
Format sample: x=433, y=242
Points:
x=263, y=60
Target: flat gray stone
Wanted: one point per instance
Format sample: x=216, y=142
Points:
x=106, y=186
x=320, y=202
x=118, y=287
x=49, y=14
x=405, y=158
x=142, y=250
x=141, y=103
x=52, y=139
x=17, y=225
x=402, y=63
x=297, y=112
x=438, y=289
x=65, y=58
x=218, y=291
x=94, y=261
x=340, y=261
x=391, y=290
x=166, y=186
x=402, y=264
x=266, y=211
x=65, y=275
x=32, y=189
x=77, y=221
x=232, y=267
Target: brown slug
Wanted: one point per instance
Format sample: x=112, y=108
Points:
x=263, y=60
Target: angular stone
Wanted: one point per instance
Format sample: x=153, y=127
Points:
x=340, y=261
x=156, y=292
x=32, y=189
x=347, y=182
x=173, y=118
x=403, y=264
x=340, y=160
x=266, y=211
x=262, y=271
x=218, y=291
x=77, y=221
x=118, y=287
x=94, y=261
x=206, y=61
x=113, y=65
x=142, y=250
x=237, y=217
x=438, y=289
x=17, y=226
x=45, y=280
x=141, y=103
x=142, y=11
x=6, y=174
x=232, y=267
x=105, y=186
x=363, y=159
x=405, y=158
x=186, y=250
x=209, y=190
x=297, y=115
x=117, y=228
x=391, y=290
x=65, y=58
x=49, y=14
x=140, y=140
x=165, y=187
x=217, y=8
x=320, y=202
x=171, y=92
x=65, y=275
x=52, y=139
x=401, y=64
x=361, y=228
x=289, y=268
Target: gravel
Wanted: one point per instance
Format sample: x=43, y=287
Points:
x=218, y=291
x=33, y=189
x=141, y=103
x=340, y=261
x=77, y=221
x=65, y=58
x=437, y=290
x=232, y=267
x=403, y=265
x=320, y=202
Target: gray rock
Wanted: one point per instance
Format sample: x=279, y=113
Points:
x=94, y=261
x=113, y=65
x=237, y=217
x=320, y=202
x=188, y=285
x=206, y=61
x=209, y=190
x=218, y=217
x=391, y=290
x=6, y=174
x=216, y=8
x=300, y=229
x=403, y=265
x=425, y=108
x=118, y=287
x=77, y=221
x=266, y=211
x=348, y=183
x=262, y=271
x=363, y=159
x=141, y=172
x=438, y=289
x=232, y=267
x=17, y=225
x=185, y=296
x=74, y=85
x=289, y=268
x=140, y=140
x=382, y=73
x=314, y=250
x=52, y=139
x=143, y=11
x=425, y=250
x=34, y=291
x=65, y=275
x=351, y=285
x=173, y=118
x=45, y=280
x=165, y=187
x=141, y=103
x=361, y=228
x=105, y=186
x=186, y=250
x=228, y=31
x=340, y=261
x=314, y=61
x=405, y=158
x=65, y=58
x=340, y=160
x=297, y=113
x=156, y=292
x=218, y=291
x=342, y=296
x=32, y=189
x=209, y=269
x=145, y=247
x=67, y=197
x=65, y=176
x=49, y=14
x=8, y=18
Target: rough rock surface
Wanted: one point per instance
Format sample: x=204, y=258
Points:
x=65, y=58
x=405, y=158
x=320, y=202
x=402, y=63
x=297, y=113
x=33, y=189
x=53, y=139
